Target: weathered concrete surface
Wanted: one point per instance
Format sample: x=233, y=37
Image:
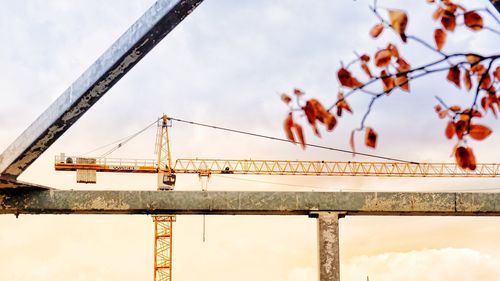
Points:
x=328, y=245
x=244, y=203
x=7, y=182
x=109, y=68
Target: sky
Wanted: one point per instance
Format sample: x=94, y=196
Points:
x=226, y=65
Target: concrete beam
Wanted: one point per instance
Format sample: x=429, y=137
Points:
x=109, y=68
x=248, y=203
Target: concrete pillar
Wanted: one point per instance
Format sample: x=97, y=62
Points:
x=328, y=246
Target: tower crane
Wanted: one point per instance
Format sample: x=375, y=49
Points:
x=166, y=170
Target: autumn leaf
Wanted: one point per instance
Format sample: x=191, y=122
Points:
x=486, y=83
x=473, y=20
x=285, y=98
x=449, y=21
x=376, y=30
x=370, y=138
x=388, y=81
x=455, y=108
x=393, y=49
x=478, y=69
x=300, y=135
x=366, y=69
x=399, y=20
x=450, y=130
x=329, y=120
x=442, y=114
x=467, y=80
x=288, y=127
x=438, y=13
x=402, y=82
x=479, y=132
x=497, y=73
x=473, y=58
x=346, y=79
x=487, y=103
x=403, y=66
x=342, y=104
x=310, y=111
x=439, y=38
x=460, y=128
x=454, y=75
x=437, y=108
x=465, y=158
x=383, y=58
x=365, y=58
x=298, y=92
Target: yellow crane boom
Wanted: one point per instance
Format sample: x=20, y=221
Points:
x=277, y=167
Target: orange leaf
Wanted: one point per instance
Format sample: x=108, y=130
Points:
x=365, y=58
x=443, y=114
x=399, y=20
x=300, y=135
x=437, y=108
x=460, y=128
x=473, y=58
x=479, y=132
x=285, y=98
x=388, y=81
x=402, y=82
x=449, y=21
x=454, y=75
x=455, y=108
x=342, y=104
x=473, y=20
x=377, y=30
x=370, y=138
x=329, y=120
x=478, y=69
x=394, y=51
x=298, y=92
x=366, y=69
x=467, y=81
x=465, y=158
x=497, y=73
x=486, y=84
x=403, y=66
x=440, y=38
x=346, y=79
x=310, y=111
x=288, y=127
x=383, y=58
x=438, y=13
x=450, y=130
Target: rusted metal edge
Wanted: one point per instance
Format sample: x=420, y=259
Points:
x=496, y=4
x=248, y=203
x=109, y=68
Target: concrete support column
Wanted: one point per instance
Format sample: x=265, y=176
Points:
x=328, y=246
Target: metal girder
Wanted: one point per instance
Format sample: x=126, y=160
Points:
x=248, y=203
x=496, y=4
x=108, y=69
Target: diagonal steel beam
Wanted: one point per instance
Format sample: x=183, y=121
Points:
x=496, y=4
x=248, y=203
x=108, y=69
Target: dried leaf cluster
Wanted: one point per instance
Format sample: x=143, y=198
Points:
x=386, y=67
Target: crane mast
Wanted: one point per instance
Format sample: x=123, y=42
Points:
x=163, y=224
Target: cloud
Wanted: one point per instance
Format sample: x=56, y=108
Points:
x=449, y=264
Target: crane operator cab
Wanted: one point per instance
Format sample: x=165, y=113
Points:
x=168, y=181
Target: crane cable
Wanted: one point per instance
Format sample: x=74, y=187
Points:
x=121, y=142
x=286, y=140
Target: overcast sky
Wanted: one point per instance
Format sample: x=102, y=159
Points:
x=226, y=65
